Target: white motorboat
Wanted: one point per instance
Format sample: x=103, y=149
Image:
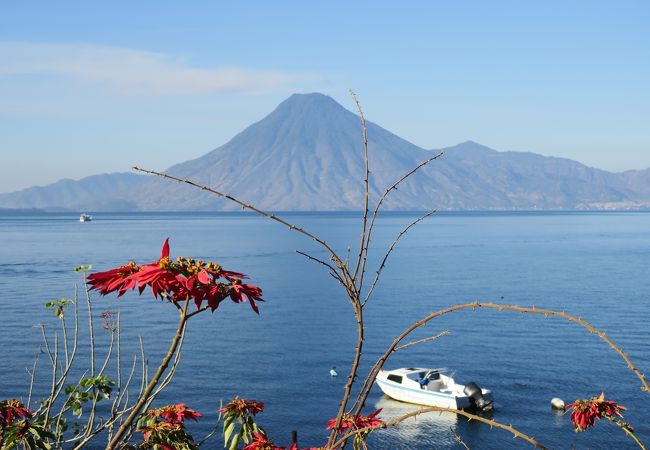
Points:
x=85, y=218
x=431, y=387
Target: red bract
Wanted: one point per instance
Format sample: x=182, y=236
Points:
x=178, y=281
x=241, y=407
x=159, y=428
x=585, y=412
x=163, y=428
x=119, y=279
x=346, y=422
x=241, y=292
x=357, y=422
x=369, y=421
x=10, y=410
x=261, y=442
x=174, y=414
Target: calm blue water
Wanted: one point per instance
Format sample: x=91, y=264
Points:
x=592, y=265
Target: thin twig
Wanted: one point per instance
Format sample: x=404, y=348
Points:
x=90, y=329
x=366, y=188
x=143, y=381
x=32, y=376
x=332, y=269
x=46, y=342
x=358, y=312
x=381, y=201
x=244, y=205
x=216, y=426
x=125, y=427
x=65, y=340
x=55, y=361
x=420, y=341
x=390, y=250
x=458, y=439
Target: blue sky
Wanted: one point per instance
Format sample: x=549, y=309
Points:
x=92, y=87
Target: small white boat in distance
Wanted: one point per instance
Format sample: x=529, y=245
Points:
x=430, y=387
x=85, y=218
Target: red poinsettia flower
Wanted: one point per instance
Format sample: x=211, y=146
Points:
x=370, y=420
x=243, y=407
x=261, y=442
x=174, y=414
x=585, y=412
x=346, y=422
x=119, y=279
x=158, y=428
x=356, y=423
x=242, y=292
x=179, y=281
x=11, y=410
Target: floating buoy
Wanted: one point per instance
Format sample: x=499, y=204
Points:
x=557, y=403
x=333, y=372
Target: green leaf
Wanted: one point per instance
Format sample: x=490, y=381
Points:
x=227, y=421
x=82, y=268
x=235, y=442
x=227, y=431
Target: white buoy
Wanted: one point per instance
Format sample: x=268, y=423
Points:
x=333, y=372
x=557, y=403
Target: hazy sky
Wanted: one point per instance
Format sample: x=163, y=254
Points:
x=92, y=87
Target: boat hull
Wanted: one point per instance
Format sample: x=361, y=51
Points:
x=422, y=397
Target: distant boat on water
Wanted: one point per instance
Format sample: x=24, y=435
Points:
x=430, y=387
x=85, y=218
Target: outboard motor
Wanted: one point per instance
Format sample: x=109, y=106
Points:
x=473, y=391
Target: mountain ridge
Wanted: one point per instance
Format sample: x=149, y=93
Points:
x=307, y=154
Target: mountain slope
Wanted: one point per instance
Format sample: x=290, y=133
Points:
x=105, y=192
x=308, y=155
x=305, y=155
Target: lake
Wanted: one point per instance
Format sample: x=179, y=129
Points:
x=592, y=265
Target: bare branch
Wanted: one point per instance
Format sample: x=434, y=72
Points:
x=362, y=238
x=516, y=433
x=273, y=217
x=367, y=385
x=332, y=269
x=198, y=311
x=46, y=342
x=91, y=330
x=390, y=250
x=358, y=312
x=214, y=429
x=420, y=341
x=378, y=207
x=32, y=376
x=458, y=439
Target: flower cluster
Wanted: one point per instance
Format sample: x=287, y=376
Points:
x=178, y=281
x=15, y=423
x=356, y=422
x=241, y=407
x=261, y=442
x=163, y=428
x=585, y=412
x=12, y=410
x=353, y=423
x=174, y=413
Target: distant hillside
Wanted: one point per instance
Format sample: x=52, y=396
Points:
x=307, y=155
x=106, y=192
